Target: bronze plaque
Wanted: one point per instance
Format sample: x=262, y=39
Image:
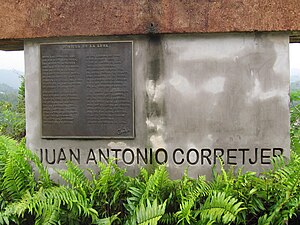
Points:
x=87, y=90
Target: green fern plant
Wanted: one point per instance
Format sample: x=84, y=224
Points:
x=147, y=190
x=63, y=198
x=75, y=178
x=16, y=176
x=150, y=214
x=190, y=195
x=220, y=209
x=284, y=192
x=109, y=190
x=106, y=190
x=107, y=220
x=28, y=196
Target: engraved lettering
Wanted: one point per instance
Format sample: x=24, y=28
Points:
x=131, y=156
x=140, y=155
x=91, y=157
x=164, y=153
x=160, y=156
x=205, y=156
x=218, y=156
x=75, y=156
x=230, y=156
x=275, y=150
x=255, y=157
x=61, y=156
x=263, y=156
x=174, y=156
x=53, y=156
x=196, y=153
x=244, y=150
x=101, y=154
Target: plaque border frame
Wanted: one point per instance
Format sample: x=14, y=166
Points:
x=131, y=137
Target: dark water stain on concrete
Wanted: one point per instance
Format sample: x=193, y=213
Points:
x=155, y=72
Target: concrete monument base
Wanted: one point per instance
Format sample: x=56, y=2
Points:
x=196, y=98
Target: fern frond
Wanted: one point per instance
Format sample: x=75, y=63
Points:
x=220, y=208
x=17, y=175
x=191, y=192
x=156, y=181
x=75, y=177
x=137, y=192
x=287, y=180
x=109, y=177
x=6, y=144
x=144, y=173
x=150, y=214
x=264, y=220
x=107, y=221
x=185, y=214
x=11, y=150
x=42, y=175
x=278, y=162
x=105, y=174
x=108, y=189
x=200, y=189
x=150, y=188
x=50, y=216
x=147, y=188
x=4, y=219
x=168, y=218
x=59, y=196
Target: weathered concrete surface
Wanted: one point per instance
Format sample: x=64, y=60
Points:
x=196, y=97
x=57, y=18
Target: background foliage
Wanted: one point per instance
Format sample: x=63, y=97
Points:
x=295, y=121
x=12, y=111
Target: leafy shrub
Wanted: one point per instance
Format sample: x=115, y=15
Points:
x=12, y=123
x=295, y=121
x=12, y=117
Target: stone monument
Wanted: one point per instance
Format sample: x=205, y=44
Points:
x=147, y=88
x=181, y=100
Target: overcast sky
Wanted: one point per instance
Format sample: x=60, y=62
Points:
x=295, y=55
x=15, y=60
x=12, y=60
